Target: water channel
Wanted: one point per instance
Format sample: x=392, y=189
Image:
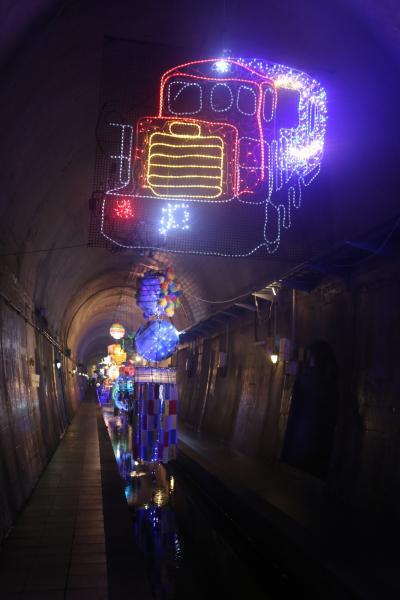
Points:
x=186, y=557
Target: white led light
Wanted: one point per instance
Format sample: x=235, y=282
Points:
x=124, y=156
x=222, y=66
x=175, y=216
x=173, y=96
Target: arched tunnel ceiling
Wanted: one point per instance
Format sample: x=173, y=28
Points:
x=51, y=65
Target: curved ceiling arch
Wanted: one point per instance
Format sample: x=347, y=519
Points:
x=48, y=123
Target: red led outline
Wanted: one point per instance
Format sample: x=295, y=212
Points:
x=258, y=109
x=175, y=72
x=200, y=121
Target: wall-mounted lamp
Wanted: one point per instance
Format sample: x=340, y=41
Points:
x=274, y=358
x=58, y=363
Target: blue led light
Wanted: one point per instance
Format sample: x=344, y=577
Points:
x=157, y=340
x=148, y=295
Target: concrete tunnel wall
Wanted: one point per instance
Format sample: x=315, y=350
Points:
x=37, y=400
x=246, y=405
x=51, y=65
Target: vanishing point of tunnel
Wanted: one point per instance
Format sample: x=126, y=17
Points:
x=199, y=300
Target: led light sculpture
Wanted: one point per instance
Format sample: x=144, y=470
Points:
x=156, y=340
x=242, y=137
x=155, y=420
x=117, y=354
x=148, y=294
x=122, y=386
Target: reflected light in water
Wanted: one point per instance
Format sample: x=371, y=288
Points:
x=160, y=497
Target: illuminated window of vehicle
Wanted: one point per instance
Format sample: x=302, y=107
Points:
x=268, y=108
x=287, y=108
x=246, y=100
x=184, y=98
x=221, y=97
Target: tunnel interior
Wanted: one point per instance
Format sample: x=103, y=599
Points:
x=317, y=428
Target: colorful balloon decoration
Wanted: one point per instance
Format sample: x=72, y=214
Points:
x=157, y=340
x=159, y=294
x=170, y=293
x=117, y=331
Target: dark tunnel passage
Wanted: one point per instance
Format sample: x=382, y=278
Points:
x=284, y=387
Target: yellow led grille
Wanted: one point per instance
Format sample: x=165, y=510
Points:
x=183, y=163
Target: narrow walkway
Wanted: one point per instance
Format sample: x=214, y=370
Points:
x=58, y=548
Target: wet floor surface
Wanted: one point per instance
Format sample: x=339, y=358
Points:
x=98, y=526
x=184, y=555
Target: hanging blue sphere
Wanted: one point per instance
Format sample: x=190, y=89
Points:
x=157, y=340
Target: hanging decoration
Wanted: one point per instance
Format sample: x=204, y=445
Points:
x=157, y=340
x=113, y=372
x=118, y=356
x=159, y=293
x=148, y=294
x=170, y=293
x=155, y=421
x=223, y=166
x=128, y=344
x=117, y=331
x=122, y=392
x=127, y=370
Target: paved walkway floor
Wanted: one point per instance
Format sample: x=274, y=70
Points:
x=63, y=545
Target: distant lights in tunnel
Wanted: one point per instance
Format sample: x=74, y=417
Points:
x=117, y=331
x=113, y=372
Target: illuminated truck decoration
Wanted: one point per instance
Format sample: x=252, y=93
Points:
x=224, y=165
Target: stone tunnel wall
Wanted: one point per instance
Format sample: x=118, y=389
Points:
x=36, y=402
x=247, y=406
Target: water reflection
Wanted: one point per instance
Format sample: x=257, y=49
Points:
x=149, y=490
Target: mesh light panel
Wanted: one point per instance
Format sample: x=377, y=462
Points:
x=214, y=156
